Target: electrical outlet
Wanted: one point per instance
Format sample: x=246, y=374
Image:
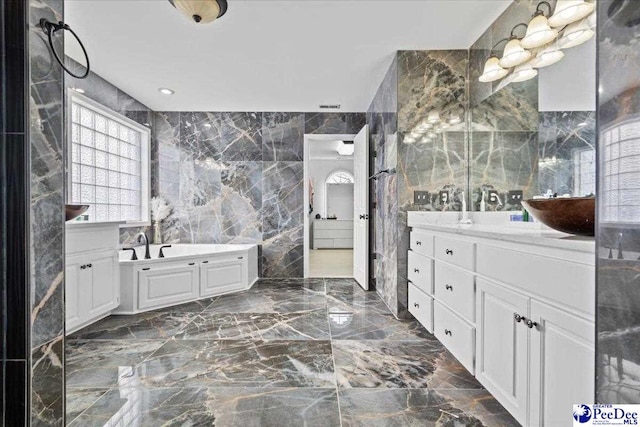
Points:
x=515, y=197
x=444, y=197
x=420, y=197
x=494, y=197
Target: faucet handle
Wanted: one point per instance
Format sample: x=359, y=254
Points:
x=161, y=254
x=134, y=256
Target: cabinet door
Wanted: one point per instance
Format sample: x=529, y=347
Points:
x=104, y=282
x=502, y=354
x=73, y=275
x=160, y=287
x=219, y=277
x=562, y=365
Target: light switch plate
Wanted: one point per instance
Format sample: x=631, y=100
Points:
x=515, y=197
x=420, y=197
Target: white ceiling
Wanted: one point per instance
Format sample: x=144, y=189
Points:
x=266, y=55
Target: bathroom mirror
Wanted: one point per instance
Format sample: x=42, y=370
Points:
x=533, y=137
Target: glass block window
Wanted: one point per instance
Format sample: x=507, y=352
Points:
x=340, y=177
x=109, y=163
x=584, y=172
x=621, y=172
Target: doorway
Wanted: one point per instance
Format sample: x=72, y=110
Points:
x=329, y=202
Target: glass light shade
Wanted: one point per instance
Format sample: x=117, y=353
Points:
x=454, y=120
x=547, y=56
x=575, y=34
x=570, y=11
x=514, y=54
x=523, y=73
x=423, y=127
x=200, y=11
x=492, y=70
x=409, y=140
x=434, y=117
x=504, y=82
x=539, y=33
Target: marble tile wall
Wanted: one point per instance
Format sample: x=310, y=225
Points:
x=46, y=219
x=618, y=228
x=238, y=178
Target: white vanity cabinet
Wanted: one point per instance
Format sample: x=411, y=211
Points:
x=161, y=286
x=516, y=308
x=92, y=276
x=220, y=276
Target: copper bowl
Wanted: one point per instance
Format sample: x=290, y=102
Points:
x=573, y=215
x=74, y=211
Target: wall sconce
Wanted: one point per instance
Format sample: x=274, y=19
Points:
x=539, y=32
x=514, y=54
x=575, y=34
x=492, y=70
x=570, y=11
x=548, y=55
x=523, y=72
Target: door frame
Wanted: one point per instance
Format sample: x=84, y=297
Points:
x=307, y=139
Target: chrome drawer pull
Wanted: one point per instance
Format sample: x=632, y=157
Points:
x=447, y=332
x=518, y=317
x=449, y=251
x=449, y=288
x=416, y=305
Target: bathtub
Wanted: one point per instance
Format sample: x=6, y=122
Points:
x=186, y=273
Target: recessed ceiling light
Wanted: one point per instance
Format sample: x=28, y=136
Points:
x=166, y=91
x=77, y=89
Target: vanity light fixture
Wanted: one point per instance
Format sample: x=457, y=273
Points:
x=409, y=139
x=523, y=72
x=514, y=54
x=433, y=117
x=454, y=120
x=201, y=11
x=166, y=91
x=539, y=32
x=346, y=148
x=575, y=34
x=570, y=11
x=492, y=70
x=548, y=55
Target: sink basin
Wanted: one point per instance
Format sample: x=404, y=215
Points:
x=573, y=215
x=74, y=211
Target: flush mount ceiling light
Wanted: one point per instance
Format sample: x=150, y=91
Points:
x=575, y=34
x=201, y=11
x=492, y=70
x=548, y=55
x=523, y=73
x=346, y=148
x=570, y=11
x=539, y=32
x=166, y=91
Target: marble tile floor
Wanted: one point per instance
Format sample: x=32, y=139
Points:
x=288, y=352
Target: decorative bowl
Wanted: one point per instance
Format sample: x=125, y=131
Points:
x=573, y=215
x=74, y=211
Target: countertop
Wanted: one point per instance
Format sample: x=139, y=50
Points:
x=496, y=226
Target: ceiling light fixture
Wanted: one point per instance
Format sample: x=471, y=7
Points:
x=570, y=11
x=346, y=148
x=575, y=34
x=539, y=32
x=166, y=91
x=201, y=11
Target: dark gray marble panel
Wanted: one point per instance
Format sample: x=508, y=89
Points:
x=239, y=135
x=47, y=384
x=282, y=136
x=239, y=407
x=302, y=325
x=241, y=202
x=282, y=260
x=338, y=123
x=241, y=363
x=402, y=407
x=199, y=139
x=282, y=199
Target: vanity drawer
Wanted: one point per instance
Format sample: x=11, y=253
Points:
x=456, y=334
x=455, y=288
x=420, y=272
x=421, y=242
x=421, y=306
x=457, y=252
